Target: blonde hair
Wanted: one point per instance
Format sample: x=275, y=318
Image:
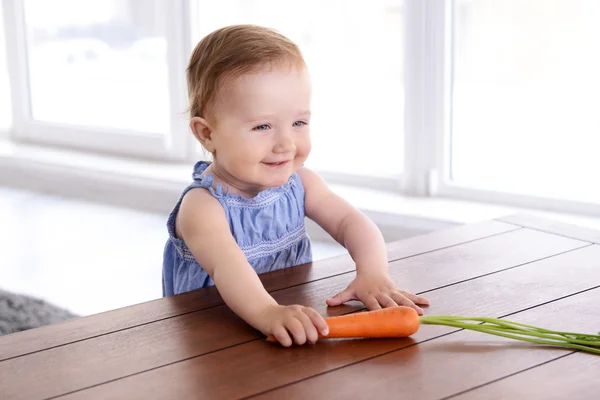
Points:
x=230, y=52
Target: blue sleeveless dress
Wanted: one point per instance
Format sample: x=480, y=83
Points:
x=269, y=228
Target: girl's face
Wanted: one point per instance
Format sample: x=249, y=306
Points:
x=261, y=130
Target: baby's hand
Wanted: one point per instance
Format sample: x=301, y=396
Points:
x=377, y=291
x=301, y=323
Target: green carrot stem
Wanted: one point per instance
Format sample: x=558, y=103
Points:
x=517, y=324
x=515, y=327
x=551, y=336
x=493, y=327
x=512, y=330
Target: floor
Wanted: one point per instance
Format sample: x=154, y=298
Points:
x=83, y=256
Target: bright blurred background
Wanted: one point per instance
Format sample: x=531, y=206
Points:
x=489, y=106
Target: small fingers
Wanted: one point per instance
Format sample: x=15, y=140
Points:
x=386, y=301
x=317, y=320
x=340, y=298
x=296, y=328
x=414, y=298
x=309, y=328
x=371, y=302
x=282, y=336
x=405, y=301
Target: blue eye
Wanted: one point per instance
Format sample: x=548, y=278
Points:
x=262, y=127
x=298, y=124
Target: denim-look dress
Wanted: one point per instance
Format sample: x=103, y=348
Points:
x=269, y=228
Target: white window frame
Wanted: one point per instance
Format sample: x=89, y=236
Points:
x=427, y=88
x=171, y=146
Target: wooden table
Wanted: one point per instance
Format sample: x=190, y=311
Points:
x=191, y=346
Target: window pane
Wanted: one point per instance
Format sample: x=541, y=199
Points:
x=99, y=63
x=354, y=50
x=526, y=97
x=5, y=108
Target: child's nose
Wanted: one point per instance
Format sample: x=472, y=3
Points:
x=285, y=142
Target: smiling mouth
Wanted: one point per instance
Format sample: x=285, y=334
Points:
x=276, y=164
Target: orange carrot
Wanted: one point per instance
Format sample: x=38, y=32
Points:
x=385, y=323
x=404, y=321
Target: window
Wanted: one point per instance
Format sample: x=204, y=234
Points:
x=526, y=95
x=102, y=63
x=5, y=108
x=354, y=50
x=104, y=75
x=495, y=100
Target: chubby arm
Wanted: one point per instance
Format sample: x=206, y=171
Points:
x=347, y=225
x=202, y=224
x=363, y=240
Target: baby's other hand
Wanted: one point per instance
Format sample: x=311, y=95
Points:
x=295, y=322
x=377, y=291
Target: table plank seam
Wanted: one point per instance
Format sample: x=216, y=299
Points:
x=417, y=343
x=333, y=369
x=545, y=231
x=508, y=376
x=147, y=370
x=288, y=287
x=407, y=257
x=506, y=269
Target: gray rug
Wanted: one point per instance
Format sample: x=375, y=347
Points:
x=20, y=312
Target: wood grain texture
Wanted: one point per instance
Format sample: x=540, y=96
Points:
x=459, y=361
x=559, y=228
x=398, y=250
x=574, y=376
x=210, y=376
x=100, y=324
x=96, y=325
x=448, y=266
x=101, y=359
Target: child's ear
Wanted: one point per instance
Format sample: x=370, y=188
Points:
x=203, y=132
